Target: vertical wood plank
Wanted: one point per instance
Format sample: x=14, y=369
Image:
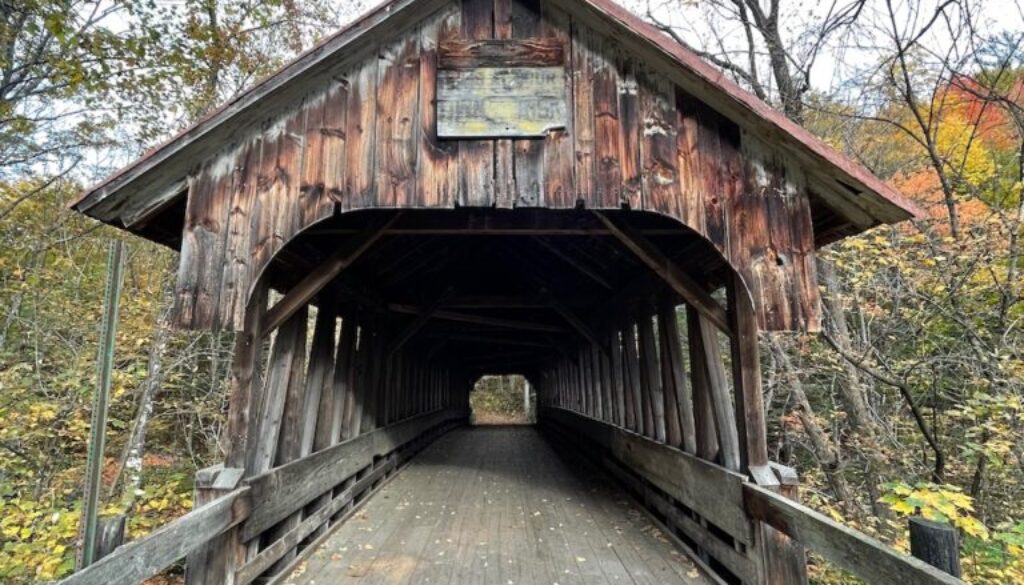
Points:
x=237, y=258
x=618, y=387
x=397, y=110
x=651, y=376
x=323, y=168
x=287, y=351
x=669, y=326
x=528, y=167
x=746, y=375
x=559, y=165
x=476, y=157
x=690, y=164
x=718, y=389
x=360, y=159
x=659, y=144
x=640, y=408
x=703, y=415
x=244, y=384
x=673, y=427
x=629, y=126
x=318, y=400
x=581, y=68
x=607, y=125
x=199, y=270
x=504, y=174
x=437, y=176
x=285, y=188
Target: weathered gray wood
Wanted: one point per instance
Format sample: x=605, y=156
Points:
x=310, y=524
x=110, y=535
x=289, y=346
x=680, y=281
x=704, y=418
x=714, y=491
x=783, y=560
x=549, y=515
x=213, y=561
x=149, y=176
x=849, y=549
x=493, y=102
x=936, y=544
x=470, y=54
x=718, y=390
x=285, y=489
x=675, y=373
x=650, y=375
x=746, y=375
x=319, y=277
x=141, y=559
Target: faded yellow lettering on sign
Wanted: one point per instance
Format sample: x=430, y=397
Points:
x=500, y=102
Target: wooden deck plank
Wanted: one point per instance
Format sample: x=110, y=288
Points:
x=497, y=504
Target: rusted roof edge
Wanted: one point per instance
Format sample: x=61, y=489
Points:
x=609, y=9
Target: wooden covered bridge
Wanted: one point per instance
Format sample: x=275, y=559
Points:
x=448, y=189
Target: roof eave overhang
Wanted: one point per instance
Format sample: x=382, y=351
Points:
x=156, y=178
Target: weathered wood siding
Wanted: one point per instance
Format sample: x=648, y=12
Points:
x=367, y=139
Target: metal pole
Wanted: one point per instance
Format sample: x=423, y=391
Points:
x=105, y=365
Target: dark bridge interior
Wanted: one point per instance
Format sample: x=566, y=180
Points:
x=496, y=291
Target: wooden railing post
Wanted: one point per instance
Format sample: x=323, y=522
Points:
x=783, y=560
x=214, y=562
x=936, y=544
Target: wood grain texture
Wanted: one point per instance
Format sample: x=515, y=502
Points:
x=854, y=551
x=305, y=479
x=143, y=558
x=714, y=491
x=500, y=52
x=366, y=136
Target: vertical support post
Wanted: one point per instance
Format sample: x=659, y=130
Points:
x=936, y=544
x=704, y=420
x=98, y=427
x=783, y=560
x=110, y=535
x=214, y=563
x=746, y=375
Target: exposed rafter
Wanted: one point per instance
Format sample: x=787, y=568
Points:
x=321, y=276
x=663, y=266
x=447, y=315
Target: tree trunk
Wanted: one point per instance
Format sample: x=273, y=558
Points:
x=130, y=460
x=826, y=454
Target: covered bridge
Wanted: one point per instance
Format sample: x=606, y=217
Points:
x=447, y=189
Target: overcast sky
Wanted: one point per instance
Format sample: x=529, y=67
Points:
x=845, y=54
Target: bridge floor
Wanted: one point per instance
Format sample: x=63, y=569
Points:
x=497, y=505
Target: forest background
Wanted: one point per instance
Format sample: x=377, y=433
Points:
x=909, y=402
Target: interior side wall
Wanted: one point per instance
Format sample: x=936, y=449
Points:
x=367, y=139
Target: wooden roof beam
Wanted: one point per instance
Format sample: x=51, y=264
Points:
x=478, y=319
x=497, y=302
x=582, y=328
x=321, y=276
x=496, y=340
x=574, y=262
x=423, y=315
x=681, y=282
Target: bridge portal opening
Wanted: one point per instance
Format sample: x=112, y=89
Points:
x=506, y=399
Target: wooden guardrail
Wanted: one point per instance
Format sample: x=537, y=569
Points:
x=264, y=500
x=666, y=477
x=147, y=556
x=847, y=548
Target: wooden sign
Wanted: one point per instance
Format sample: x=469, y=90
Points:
x=500, y=102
